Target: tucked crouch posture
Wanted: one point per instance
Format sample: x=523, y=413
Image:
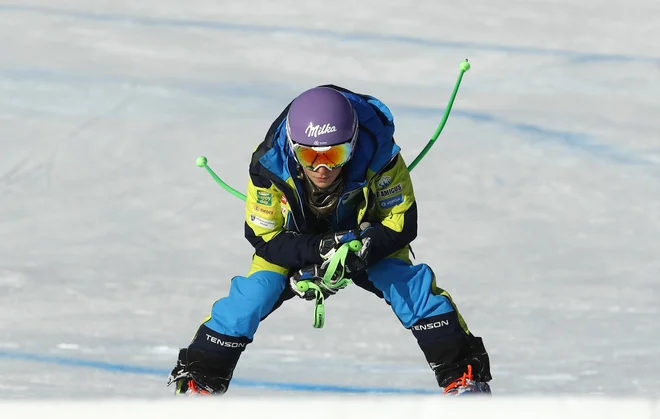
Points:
x=328, y=172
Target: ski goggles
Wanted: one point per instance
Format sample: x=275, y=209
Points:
x=330, y=157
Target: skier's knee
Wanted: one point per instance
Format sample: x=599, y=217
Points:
x=250, y=299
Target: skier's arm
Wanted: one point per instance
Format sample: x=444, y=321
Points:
x=394, y=217
x=264, y=229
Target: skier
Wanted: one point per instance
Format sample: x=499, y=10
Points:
x=329, y=171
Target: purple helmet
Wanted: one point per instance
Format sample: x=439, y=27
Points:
x=320, y=117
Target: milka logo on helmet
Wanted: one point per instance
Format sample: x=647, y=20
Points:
x=316, y=130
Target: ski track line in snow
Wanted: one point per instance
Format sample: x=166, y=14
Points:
x=238, y=382
x=532, y=133
x=575, y=57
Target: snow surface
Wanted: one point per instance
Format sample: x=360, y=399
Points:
x=539, y=205
x=332, y=407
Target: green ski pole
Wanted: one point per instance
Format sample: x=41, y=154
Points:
x=201, y=162
x=464, y=67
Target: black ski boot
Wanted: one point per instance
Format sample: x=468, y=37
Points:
x=207, y=365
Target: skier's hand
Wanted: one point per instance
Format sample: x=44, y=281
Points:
x=355, y=261
x=330, y=242
x=314, y=274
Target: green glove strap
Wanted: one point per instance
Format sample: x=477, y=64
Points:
x=319, y=308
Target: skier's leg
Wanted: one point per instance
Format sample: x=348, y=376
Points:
x=212, y=355
x=430, y=313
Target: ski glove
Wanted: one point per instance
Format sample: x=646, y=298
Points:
x=355, y=261
x=314, y=274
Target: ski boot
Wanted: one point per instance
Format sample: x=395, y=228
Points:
x=466, y=385
x=199, y=373
x=186, y=385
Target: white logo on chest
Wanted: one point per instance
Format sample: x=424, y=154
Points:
x=384, y=182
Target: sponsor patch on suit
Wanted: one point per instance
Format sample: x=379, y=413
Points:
x=261, y=222
x=265, y=198
x=384, y=182
x=384, y=193
x=261, y=210
x=392, y=201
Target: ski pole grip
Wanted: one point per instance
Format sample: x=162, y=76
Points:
x=355, y=245
x=303, y=286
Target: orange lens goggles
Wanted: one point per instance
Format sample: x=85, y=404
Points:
x=332, y=157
